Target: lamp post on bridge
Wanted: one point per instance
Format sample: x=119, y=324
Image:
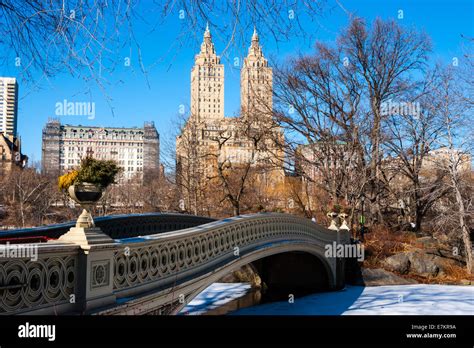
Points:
x=342, y=231
x=332, y=215
x=342, y=219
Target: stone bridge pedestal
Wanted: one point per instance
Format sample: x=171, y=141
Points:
x=95, y=267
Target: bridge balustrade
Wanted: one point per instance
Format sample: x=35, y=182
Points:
x=110, y=276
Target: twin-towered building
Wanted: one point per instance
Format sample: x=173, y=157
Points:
x=199, y=149
x=207, y=82
x=209, y=139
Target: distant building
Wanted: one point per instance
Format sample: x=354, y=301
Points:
x=321, y=166
x=442, y=157
x=197, y=151
x=136, y=150
x=256, y=82
x=318, y=160
x=207, y=83
x=8, y=105
x=433, y=163
x=10, y=154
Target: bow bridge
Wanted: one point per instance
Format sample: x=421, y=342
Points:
x=157, y=263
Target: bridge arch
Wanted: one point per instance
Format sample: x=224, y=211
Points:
x=325, y=277
x=150, y=273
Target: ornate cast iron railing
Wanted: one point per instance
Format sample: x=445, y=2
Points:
x=67, y=279
x=117, y=226
x=169, y=257
x=46, y=282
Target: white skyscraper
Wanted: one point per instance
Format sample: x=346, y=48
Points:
x=8, y=105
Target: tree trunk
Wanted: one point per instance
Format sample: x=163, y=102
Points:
x=22, y=214
x=236, y=210
x=418, y=218
x=375, y=155
x=462, y=224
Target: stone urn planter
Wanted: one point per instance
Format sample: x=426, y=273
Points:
x=86, y=185
x=86, y=195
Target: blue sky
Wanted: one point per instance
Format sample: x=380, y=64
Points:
x=169, y=67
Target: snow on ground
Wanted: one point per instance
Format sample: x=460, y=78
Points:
x=215, y=296
x=417, y=299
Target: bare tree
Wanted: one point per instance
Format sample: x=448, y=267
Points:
x=318, y=100
x=336, y=95
x=410, y=133
x=77, y=37
x=190, y=172
x=237, y=172
x=159, y=193
x=383, y=57
x=457, y=145
x=83, y=37
x=29, y=195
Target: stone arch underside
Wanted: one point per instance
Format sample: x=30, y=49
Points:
x=316, y=273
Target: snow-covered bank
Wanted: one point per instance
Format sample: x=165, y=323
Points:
x=417, y=299
x=215, y=296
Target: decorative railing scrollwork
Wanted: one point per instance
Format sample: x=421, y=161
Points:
x=166, y=255
x=149, y=260
x=118, y=226
x=47, y=281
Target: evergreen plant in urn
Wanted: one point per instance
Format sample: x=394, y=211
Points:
x=87, y=184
